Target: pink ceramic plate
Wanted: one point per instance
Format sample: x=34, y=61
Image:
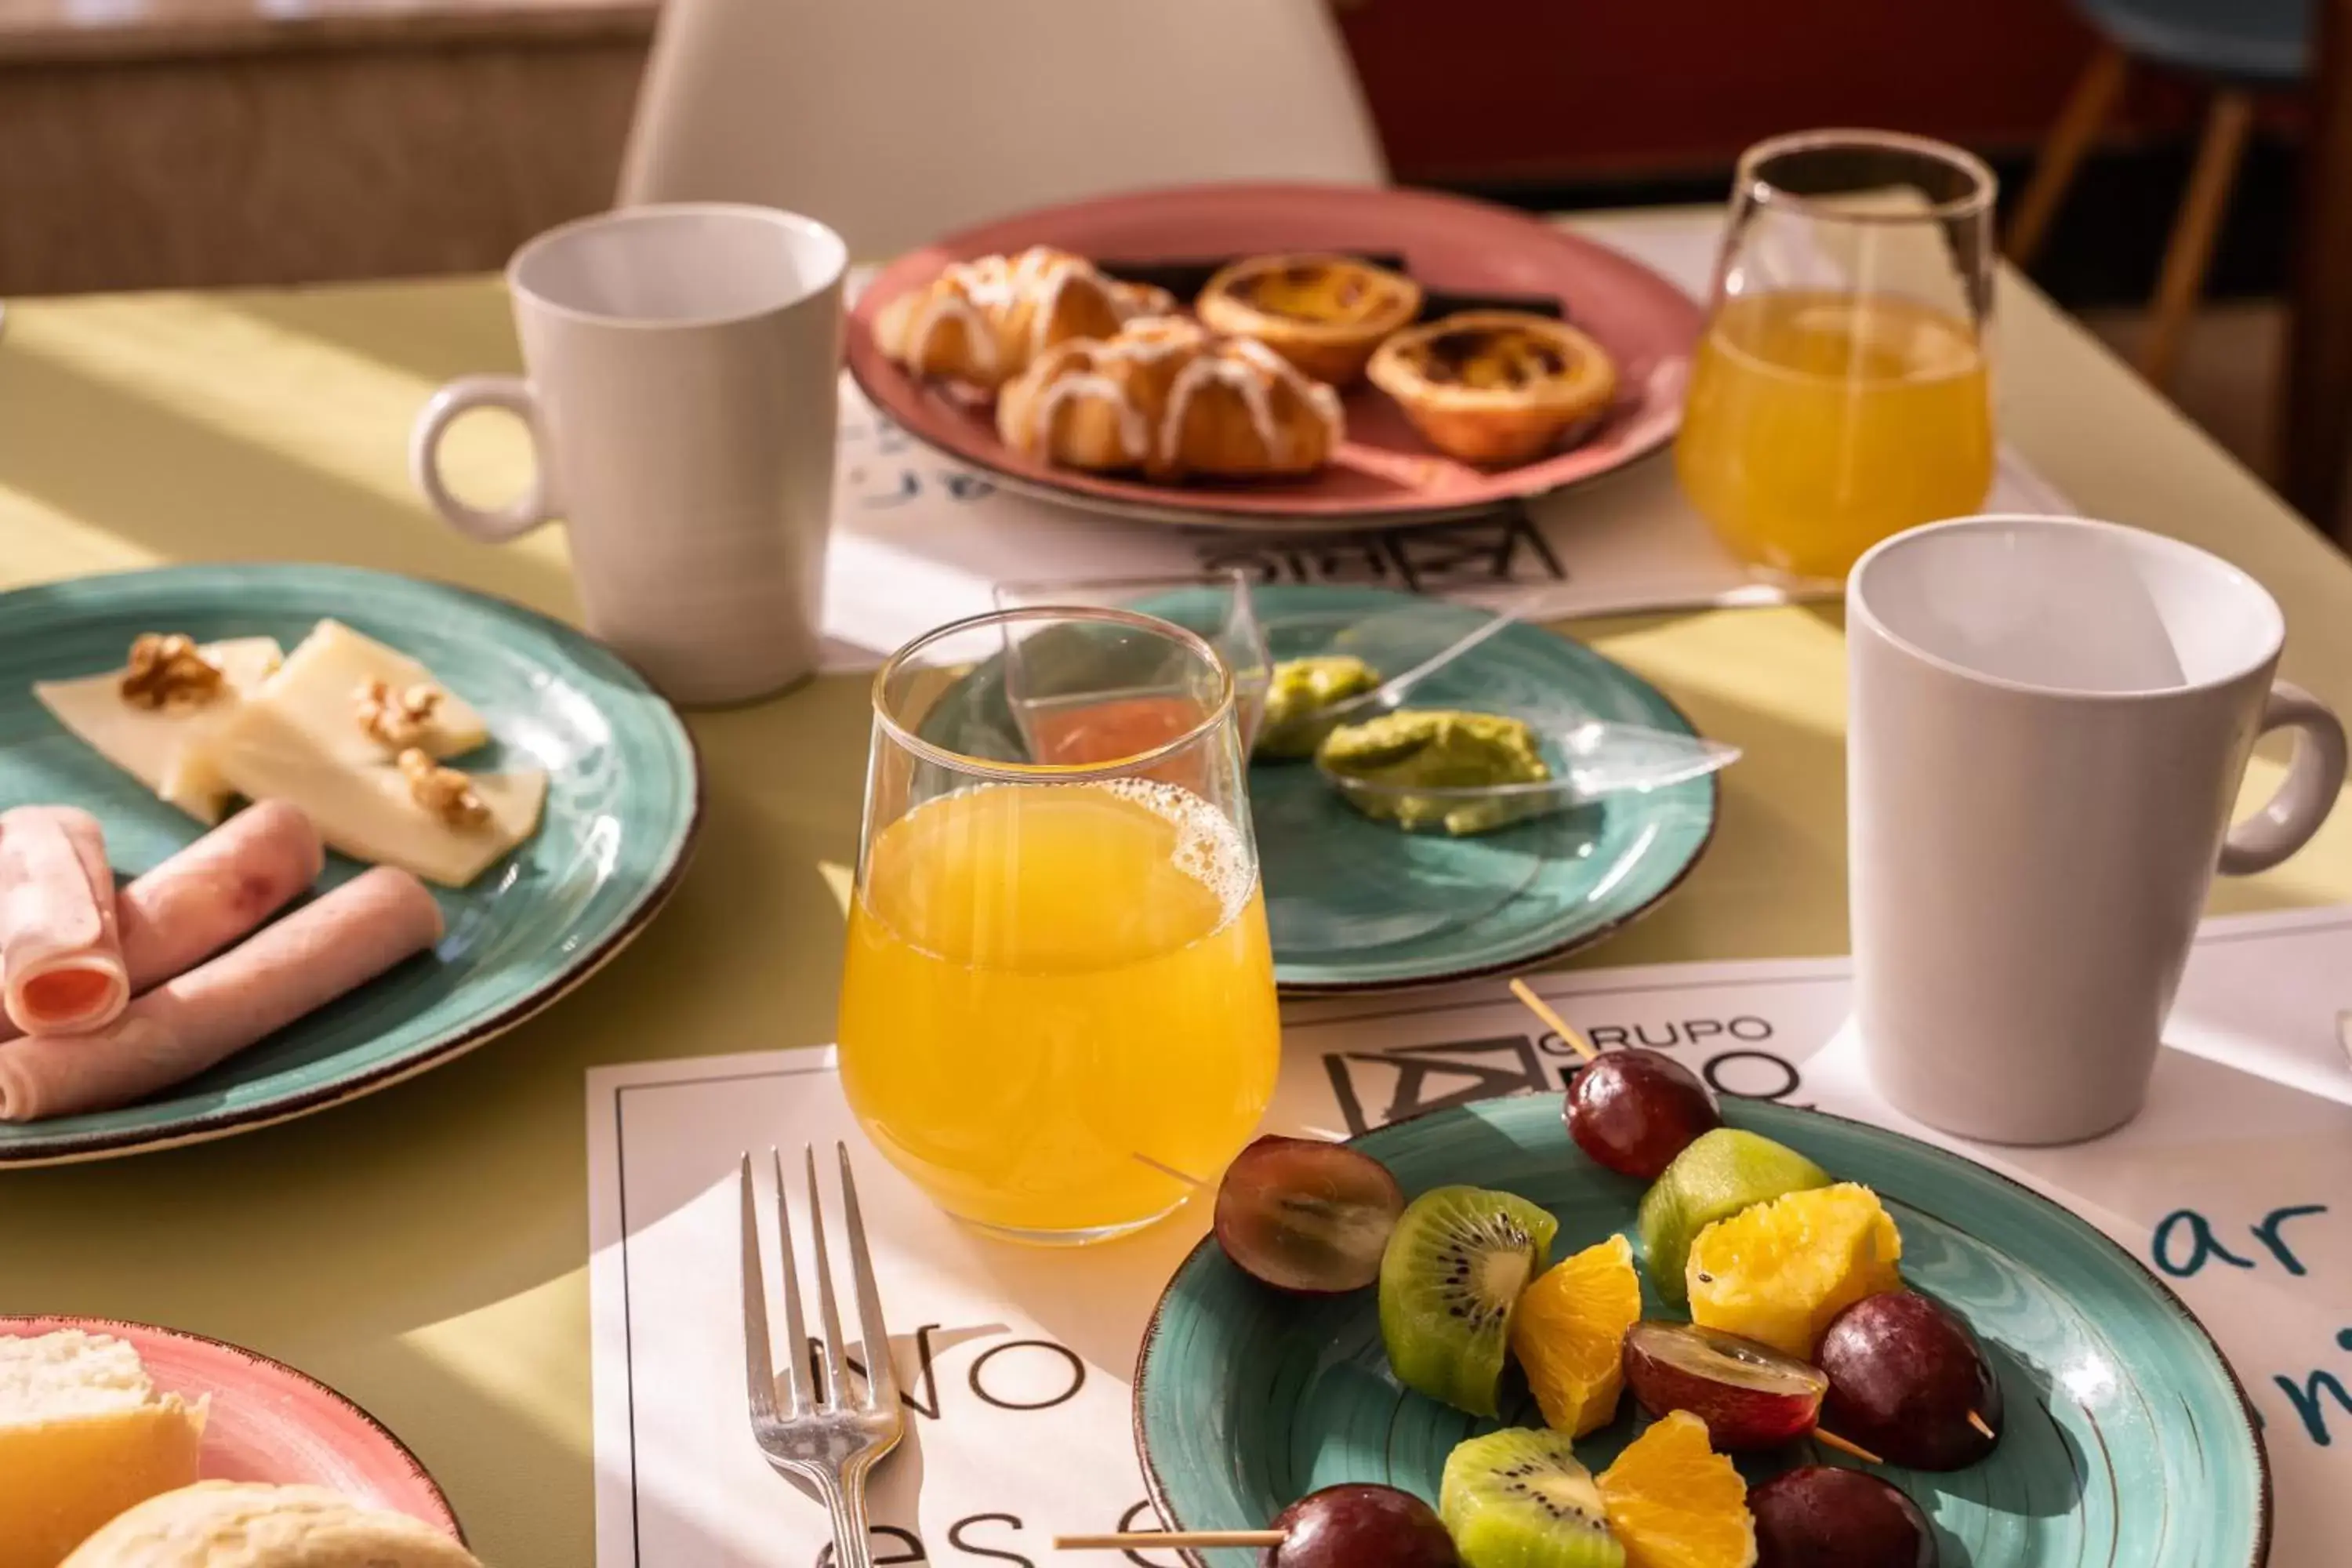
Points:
x=270, y=1423
x=1385, y=473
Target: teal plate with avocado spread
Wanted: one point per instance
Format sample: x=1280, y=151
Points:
x=623, y=797
x=2126, y=1440
x=1359, y=905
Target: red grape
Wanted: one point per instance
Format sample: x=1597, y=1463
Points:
x=1362, y=1527
x=1823, y=1516
x=1308, y=1216
x=1633, y=1110
x=1905, y=1377
x=1749, y=1394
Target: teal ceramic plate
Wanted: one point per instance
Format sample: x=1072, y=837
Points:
x=1356, y=905
x=623, y=797
x=2127, y=1440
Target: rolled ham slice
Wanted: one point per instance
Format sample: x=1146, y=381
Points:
x=61, y=966
x=212, y=892
x=312, y=956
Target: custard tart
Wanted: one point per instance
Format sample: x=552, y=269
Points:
x=1325, y=314
x=1171, y=398
x=1495, y=388
x=982, y=322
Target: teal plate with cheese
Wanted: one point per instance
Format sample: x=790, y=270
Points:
x=623, y=802
x=2126, y=1440
x=1359, y=905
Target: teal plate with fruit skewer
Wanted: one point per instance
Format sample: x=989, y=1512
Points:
x=2127, y=1443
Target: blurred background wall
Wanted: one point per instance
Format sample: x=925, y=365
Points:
x=161, y=142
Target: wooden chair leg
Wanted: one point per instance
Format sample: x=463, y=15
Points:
x=2190, y=250
x=2086, y=111
x=2316, y=423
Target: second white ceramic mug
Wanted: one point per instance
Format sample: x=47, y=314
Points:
x=682, y=365
x=2049, y=721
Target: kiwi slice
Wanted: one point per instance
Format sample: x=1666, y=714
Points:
x=1719, y=1173
x=1450, y=1280
x=1517, y=1498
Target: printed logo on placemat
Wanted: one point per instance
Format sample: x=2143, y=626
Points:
x=1429, y=558
x=1376, y=1088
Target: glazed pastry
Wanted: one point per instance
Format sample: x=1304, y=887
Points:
x=1325, y=314
x=1495, y=388
x=982, y=321
x=1168, y=398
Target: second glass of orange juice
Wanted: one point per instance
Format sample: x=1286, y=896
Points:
x=1057, y=1009
x=1841, y=393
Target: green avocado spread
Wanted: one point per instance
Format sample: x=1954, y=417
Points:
x=1434, y=749
x=1302, y=687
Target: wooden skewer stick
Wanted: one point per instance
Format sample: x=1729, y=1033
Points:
x=1852, y=1450
x=1983, y=1429
x=1553, y=1021
x=1145, y=1540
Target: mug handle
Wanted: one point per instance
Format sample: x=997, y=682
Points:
x=2289, y=818
x=519, y=516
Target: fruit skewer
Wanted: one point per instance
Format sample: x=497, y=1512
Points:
x=1146, y=1539
x=1607, y=1150
x=1554, y=1022
x=1851, y=1450
x=1352, y=1526
x=1632, y=1110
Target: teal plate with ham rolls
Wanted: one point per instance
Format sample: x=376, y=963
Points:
x=623, y=803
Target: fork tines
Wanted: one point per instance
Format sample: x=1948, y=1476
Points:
x=816, y=1374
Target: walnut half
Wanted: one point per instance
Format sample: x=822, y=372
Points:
x=166, y=670
x=445, y=791
x=398, y=719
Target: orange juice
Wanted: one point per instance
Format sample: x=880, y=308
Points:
x=1057, y=1009
x=1818, y=423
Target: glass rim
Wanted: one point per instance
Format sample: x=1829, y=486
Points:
x=1747, y=181
x=1219, y=712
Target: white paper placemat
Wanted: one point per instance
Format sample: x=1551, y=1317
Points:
x=2236, y=1185
x=919, y=540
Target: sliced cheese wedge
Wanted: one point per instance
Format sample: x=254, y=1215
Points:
x=84, y=1435
x=161, y=747
x=365, y=809
x=317, y=688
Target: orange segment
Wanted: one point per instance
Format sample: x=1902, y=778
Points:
x=1780, y=1271
x=1676, y=1503
x=1570, y=1335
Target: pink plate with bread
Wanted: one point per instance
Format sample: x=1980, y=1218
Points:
x=1395, y=454
x=265, y=1422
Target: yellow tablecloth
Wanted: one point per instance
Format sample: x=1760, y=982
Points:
x=424, y=1250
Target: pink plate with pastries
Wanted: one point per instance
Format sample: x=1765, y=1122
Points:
x=1466, y=255
x=267, y=1422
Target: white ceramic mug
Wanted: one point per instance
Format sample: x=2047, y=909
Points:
x=682, y=372
x=2049, y=721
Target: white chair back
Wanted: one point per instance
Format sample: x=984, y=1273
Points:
x=894, y=120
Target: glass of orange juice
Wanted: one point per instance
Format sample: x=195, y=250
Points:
x=1058, y=1010
x=1841, y=393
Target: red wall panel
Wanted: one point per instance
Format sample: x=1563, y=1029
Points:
x=1495, y=90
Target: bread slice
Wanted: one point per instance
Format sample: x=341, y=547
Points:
x=84, y=1435
x=241, y=1525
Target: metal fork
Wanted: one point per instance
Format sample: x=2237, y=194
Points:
x=825, y=1433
